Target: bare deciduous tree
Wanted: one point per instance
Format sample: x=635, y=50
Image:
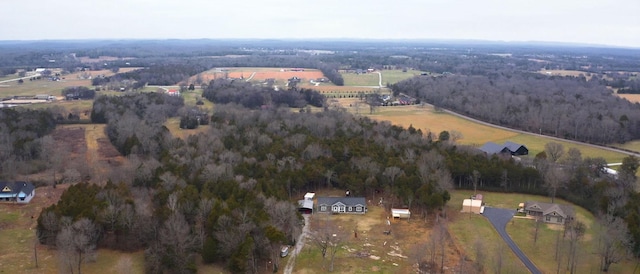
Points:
x=554, y=151
x=76, y=243
x=555, y=178
x=613, y=241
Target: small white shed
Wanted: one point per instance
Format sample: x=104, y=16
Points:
x=400, y=213
x=472, y=206
x=309, y=196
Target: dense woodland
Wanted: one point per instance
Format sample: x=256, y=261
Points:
x=566, y=107
x=223, y=91
x=227, y=194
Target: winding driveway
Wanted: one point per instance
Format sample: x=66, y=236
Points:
x=499, y=217
x=299, y=245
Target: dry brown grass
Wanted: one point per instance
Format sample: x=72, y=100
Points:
x=372, y=250
x=280, y=75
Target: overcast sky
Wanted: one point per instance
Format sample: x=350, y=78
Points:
x=612, y=22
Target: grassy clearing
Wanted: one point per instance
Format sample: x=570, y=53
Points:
x=474, y=134
x=394, y=76
x=372, y=251
x=173, y=124
x=365, y=79
x=542, y=253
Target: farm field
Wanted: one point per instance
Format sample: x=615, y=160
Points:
x=427, y=119
x=370, y=79
x=281, y=75
x=633, y=98
x=44, y=86
x=542, y=253
x=396, y=75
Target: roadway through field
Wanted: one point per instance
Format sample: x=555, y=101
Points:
x=379, y=78
x=499, y=217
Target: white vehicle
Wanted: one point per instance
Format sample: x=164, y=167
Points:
x=284, y=251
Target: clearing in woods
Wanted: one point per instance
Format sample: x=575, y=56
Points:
x=372, y=250
x=88, y=145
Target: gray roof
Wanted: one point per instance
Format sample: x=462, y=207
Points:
x=345, y=200
x=547, y=208
x=508, y=147
x=17, y=187
x=492, y=148
x=305, y=204
x=513, y=146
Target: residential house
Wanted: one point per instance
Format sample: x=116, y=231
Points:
x=354, y=205
x=549, y=213
x=17, y=192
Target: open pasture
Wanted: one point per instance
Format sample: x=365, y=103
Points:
x=426, y=118
x=281, y=75
x=45, y=86
x=368, y=79
x=393, y=76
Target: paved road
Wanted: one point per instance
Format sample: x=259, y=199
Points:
x=299, y=245
x=499, y=217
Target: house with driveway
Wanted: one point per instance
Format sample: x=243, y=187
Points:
x=549, y=213
x=17, y=192
x=350, y=205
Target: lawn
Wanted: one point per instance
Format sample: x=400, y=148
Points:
x=364, y=79
x=542, y=253
x=394, y=76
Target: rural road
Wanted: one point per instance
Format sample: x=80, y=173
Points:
x=16, y=79
x=299, y=245
x=499, y=217
x=251, y=77
x=379, y=78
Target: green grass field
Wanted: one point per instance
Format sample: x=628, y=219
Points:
x=394, y=76
x=474, y=134
x=542, y=253
x=365, y=79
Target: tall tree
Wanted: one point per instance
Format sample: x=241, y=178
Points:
x=613, y=239
x=554, y=151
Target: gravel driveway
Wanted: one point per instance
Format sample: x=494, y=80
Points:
x=499, y=217
x=299, y=245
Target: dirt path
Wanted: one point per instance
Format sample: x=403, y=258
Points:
x=299, y=245
x=251, y=77
x=379, y=78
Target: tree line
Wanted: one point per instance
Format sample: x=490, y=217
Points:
x=223, y=91
x=566, y=107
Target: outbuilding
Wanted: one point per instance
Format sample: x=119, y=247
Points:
x=472, y=206
x=400, y=213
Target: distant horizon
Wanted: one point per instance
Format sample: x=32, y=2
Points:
x=456, y=41
x=612, y=23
